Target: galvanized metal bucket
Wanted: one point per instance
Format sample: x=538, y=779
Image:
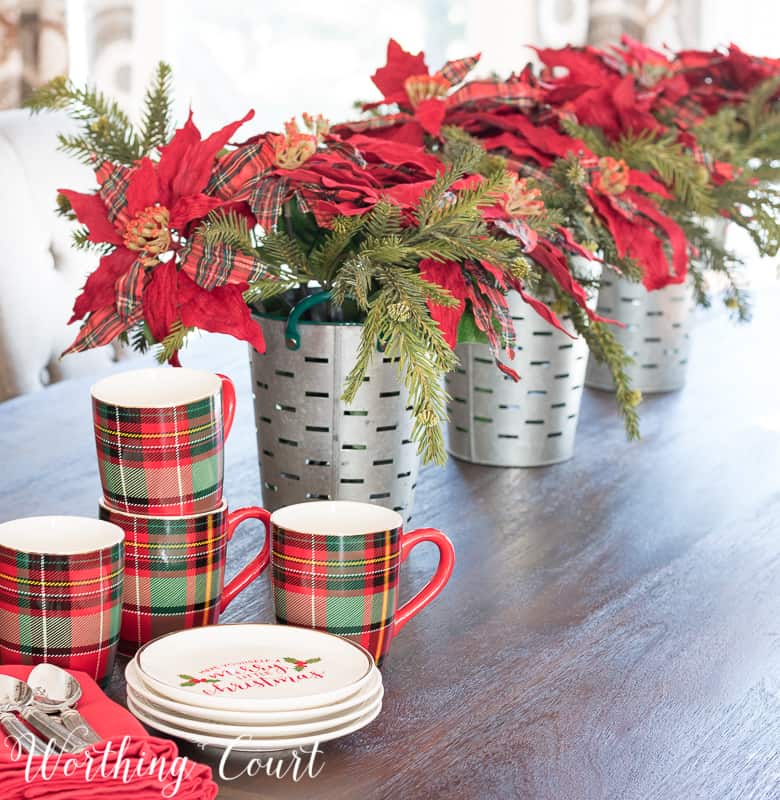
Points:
x=531, y=423
x=656, y=334
x=312, y=445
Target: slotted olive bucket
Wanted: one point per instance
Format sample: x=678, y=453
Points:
x=312, y=446
x=656, y=334
x=497, y=421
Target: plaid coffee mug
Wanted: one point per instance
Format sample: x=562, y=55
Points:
x=61, y=592
x=160, y=435
x=175, y=570
x=335, y=567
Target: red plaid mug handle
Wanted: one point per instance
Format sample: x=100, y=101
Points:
x=443, y=572
x=253, y=569
x=228, y=404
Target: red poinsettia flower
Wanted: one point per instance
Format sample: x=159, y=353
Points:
x=406, y=82
x=326, y=175
x=144, y=212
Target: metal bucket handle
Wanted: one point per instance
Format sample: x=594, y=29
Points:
x=292, y=337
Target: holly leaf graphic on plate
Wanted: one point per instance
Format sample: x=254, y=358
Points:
x=300, y=664
x=191, y=680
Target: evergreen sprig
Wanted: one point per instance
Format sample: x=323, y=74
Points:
x=173, y=342
x=106, y=133
x=157, y=122
x=605, y=348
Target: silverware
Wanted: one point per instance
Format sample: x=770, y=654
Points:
x=20, y=695
x=14, y=697
x=56, y=691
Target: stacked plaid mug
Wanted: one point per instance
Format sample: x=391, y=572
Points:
x=160, y=436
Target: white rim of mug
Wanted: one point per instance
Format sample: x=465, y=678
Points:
x=109, y=390
x=62, y=544
x=317, y=522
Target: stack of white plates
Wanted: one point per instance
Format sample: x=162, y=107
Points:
x=254, y=687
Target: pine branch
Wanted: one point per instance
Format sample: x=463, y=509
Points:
x=279, y=249
x=713, y=256
x=157, y=124
x=384, y=220
x=326, y=258
x=676, y=167
x=173, y=342
x=106, y=132
x=268, y=288
x=605, y=348
x=593, y=138
x=228, y=228
x=398, y=317
x=138, y=338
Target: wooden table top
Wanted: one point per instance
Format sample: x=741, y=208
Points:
x=612, y=629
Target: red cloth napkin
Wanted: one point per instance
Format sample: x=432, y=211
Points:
x=128, y=764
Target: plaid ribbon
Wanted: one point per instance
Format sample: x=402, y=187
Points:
x=166, y=461
x=265, y=195
x=174, y=573
x=130, y=289
x=238, y=167
x=455, y=71
x=102, y=327
x=488, y=303
x=211, y=265
x=61, y=609
x=483, y=95
x=346, y=585
x=113, y=180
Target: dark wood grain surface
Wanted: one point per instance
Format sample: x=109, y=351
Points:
x=612, y=629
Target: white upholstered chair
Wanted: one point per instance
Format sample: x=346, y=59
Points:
x=40, y=273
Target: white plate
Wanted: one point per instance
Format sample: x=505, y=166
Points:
x=135, y=682
x=254, y=667
x=254, y=745
x=209, y=728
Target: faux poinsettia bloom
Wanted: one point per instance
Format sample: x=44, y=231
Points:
x=144, y=212
x=337, y=179
x=406, y=81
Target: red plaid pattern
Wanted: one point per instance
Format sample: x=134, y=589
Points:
x=175, y=570
x=129, y=290
x=455, y=71
x=210, y=265
x=61, y=609
x=167, y=461
x=346, y=585
x=114, y=180
x=486, y=94
x=174, y=573
x=238, y=167
x=102, y=327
